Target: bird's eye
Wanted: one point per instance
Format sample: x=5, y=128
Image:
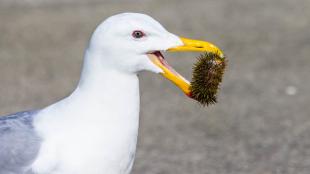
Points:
x=138, y=34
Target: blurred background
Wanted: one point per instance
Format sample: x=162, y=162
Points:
x=261, y=124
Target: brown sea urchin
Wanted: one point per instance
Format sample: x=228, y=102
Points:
x=207, y=76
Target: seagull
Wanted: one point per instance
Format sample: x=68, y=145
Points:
x=94, y=130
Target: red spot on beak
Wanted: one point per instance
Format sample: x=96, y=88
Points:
x=190, y=95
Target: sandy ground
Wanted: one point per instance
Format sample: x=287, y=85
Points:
x=261, y=124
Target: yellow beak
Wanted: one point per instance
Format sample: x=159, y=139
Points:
x=188, y=45
x=197, y=45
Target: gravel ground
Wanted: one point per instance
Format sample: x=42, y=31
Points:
x=261, y=124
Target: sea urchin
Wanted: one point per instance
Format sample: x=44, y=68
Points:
x=207, y=76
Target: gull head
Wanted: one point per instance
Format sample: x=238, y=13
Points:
x=133, y=42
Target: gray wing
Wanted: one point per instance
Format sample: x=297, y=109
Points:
x=19, y=144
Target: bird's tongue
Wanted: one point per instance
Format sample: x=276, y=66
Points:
x=164, y=63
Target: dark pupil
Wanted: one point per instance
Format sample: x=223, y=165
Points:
x=138, y=34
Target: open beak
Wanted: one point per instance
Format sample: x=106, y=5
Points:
x=188, y=45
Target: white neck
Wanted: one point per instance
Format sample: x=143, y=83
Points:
x=98, y=121
x=103, y=84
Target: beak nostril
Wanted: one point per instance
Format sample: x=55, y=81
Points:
x=199, y=46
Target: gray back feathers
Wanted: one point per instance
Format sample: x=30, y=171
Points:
x=19, y=144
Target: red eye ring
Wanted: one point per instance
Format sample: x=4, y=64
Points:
x=138, y=34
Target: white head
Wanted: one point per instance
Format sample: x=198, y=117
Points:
x=124, y=40
x=131, y=42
